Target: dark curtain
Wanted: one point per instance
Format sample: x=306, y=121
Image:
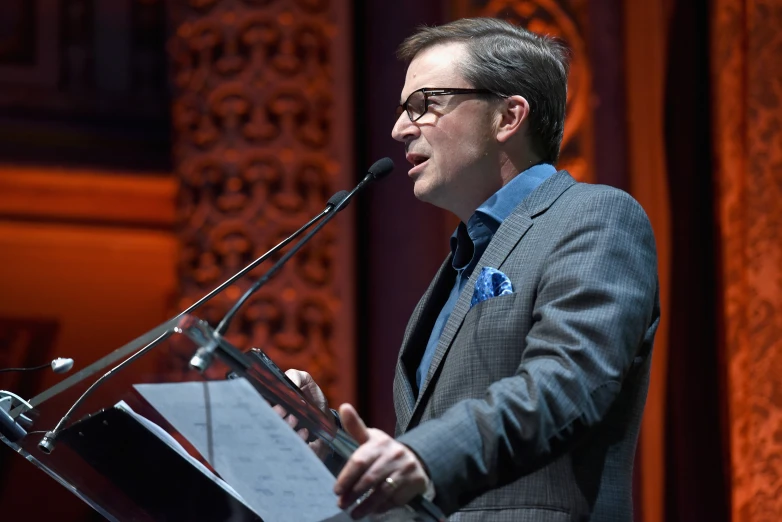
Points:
x=401, y=241
x=695, y=467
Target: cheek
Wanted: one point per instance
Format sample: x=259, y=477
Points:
x=461, y=151
x=457, y=146
x=465, y=138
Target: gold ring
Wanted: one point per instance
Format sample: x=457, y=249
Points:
x=391, y=482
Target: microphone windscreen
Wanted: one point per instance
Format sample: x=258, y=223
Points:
x=337, y=198
x=381, y=168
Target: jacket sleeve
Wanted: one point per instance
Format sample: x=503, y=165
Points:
x=595, y=302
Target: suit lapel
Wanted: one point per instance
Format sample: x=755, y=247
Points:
x=416, y=337
x=504, y=241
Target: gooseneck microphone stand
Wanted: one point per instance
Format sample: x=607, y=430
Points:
x=47, y=443
x=379, y=169
x=204, y=355
x=152, y=337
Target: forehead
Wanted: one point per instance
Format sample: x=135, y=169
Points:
x=436, y=67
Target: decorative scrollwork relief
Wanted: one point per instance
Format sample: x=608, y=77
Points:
x=258, y=154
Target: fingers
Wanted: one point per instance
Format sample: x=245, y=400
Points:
x=387, y=505
x=353, y=423
x=354, y=479
x=298, y=377
x=382, y=499
x=320, y=448
x=393, y=491
x=309, y=388
x=290, y=420
x=387, y=469
x=383, y=459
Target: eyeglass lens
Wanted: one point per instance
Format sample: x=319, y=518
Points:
x=415, y=105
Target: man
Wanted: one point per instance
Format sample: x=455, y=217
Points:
x=523, y=372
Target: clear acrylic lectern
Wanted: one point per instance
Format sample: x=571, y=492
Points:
x=141, y=436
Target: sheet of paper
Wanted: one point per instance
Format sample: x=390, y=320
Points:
x=250, y=446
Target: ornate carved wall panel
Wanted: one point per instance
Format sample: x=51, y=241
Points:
x=262, y=122
x=566, y=20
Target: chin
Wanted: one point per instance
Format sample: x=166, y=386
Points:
x=430, y=195
x=422, y=192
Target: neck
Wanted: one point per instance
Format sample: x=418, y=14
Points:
x=509, y=169
x=512, y=167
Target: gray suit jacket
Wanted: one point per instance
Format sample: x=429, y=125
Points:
x=533, y=401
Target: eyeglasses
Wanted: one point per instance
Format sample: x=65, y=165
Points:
x=417, y=103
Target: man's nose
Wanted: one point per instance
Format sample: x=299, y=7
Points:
x=404, y=129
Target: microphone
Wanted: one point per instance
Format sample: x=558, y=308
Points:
x=380, y=169
x=46, y=445
x=204, y=355
x=59, y=365
x=62, y=365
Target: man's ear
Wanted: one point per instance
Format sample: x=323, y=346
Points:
x=514, y=114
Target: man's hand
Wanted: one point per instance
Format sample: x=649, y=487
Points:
x=389, y=467
x=315, y=395
x=310, y=389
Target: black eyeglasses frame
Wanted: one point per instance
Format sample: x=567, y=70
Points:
x=430, y=91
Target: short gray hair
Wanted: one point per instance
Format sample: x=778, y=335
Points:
x=508, y=60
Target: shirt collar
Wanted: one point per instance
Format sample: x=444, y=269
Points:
x=500, y=205
x=492, y=212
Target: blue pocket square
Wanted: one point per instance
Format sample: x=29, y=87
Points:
x=490, y=283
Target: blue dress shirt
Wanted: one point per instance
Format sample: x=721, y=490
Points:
x=469, y=242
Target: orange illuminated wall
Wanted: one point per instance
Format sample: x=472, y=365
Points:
x=88, y=263
x=90, y=252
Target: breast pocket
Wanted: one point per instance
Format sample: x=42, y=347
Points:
x=494, y=320
x=493, y=335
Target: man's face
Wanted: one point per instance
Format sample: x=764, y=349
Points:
x=452, y=147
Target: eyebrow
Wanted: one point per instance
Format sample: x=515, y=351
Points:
x=404, y=98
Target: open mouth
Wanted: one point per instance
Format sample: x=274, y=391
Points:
x=416, y=160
